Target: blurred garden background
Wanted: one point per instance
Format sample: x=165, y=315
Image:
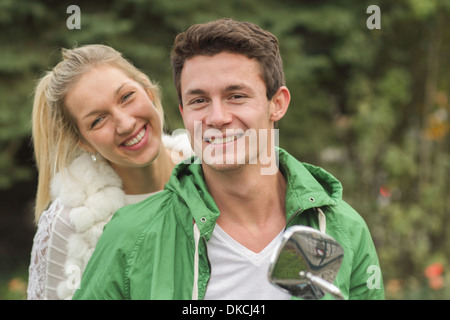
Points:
x=369, y=105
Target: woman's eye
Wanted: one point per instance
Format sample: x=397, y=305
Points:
x=127, y=96
x=96, y=122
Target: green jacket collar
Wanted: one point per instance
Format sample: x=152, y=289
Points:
x=307, y=187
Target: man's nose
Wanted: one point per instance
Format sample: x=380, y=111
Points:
x=218, y=114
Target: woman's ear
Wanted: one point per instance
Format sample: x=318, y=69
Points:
x=85, y=146
x=279, y=103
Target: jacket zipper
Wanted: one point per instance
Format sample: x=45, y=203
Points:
x=209, y=265
x=292, y=218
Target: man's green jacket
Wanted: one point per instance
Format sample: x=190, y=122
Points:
x=157, y=249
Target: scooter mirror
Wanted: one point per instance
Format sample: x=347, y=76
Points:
x=306, y=263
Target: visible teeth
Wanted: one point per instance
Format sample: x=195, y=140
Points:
x=214, y=140
x=136, y=139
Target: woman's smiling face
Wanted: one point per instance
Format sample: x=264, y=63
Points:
x=115, y=117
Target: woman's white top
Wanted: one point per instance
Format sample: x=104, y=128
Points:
x=85, y=196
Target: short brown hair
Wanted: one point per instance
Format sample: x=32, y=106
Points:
x=227, y=35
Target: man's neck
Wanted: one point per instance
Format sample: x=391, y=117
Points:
x=251, y=205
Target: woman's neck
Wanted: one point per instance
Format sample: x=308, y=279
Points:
x=148, y=179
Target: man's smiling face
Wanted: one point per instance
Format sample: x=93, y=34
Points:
x=224, y=97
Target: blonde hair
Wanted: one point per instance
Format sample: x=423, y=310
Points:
x=54, y=131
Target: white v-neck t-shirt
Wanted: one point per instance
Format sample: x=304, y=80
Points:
x=238, y=273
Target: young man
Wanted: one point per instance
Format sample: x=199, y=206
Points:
x=211, y=232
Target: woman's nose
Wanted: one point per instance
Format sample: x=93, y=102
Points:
x=125, y=123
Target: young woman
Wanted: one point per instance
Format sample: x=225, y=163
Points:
x=99, y=145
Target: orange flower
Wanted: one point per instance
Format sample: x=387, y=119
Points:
x=434, y=275
x=394, y=286
x=434, y=270
x=436, y=283
x=17, y=285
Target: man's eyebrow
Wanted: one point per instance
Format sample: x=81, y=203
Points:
x=234, y=88
x=226, y=89
x=195, y=92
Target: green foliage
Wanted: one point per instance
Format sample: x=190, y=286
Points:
x=371, y=106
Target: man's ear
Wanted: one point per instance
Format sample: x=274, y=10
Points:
x=280, y=103
x=181, y=109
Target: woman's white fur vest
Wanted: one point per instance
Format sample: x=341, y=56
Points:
x=93, y=191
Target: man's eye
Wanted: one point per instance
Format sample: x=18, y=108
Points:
x=237, y=98
x=197, y=102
